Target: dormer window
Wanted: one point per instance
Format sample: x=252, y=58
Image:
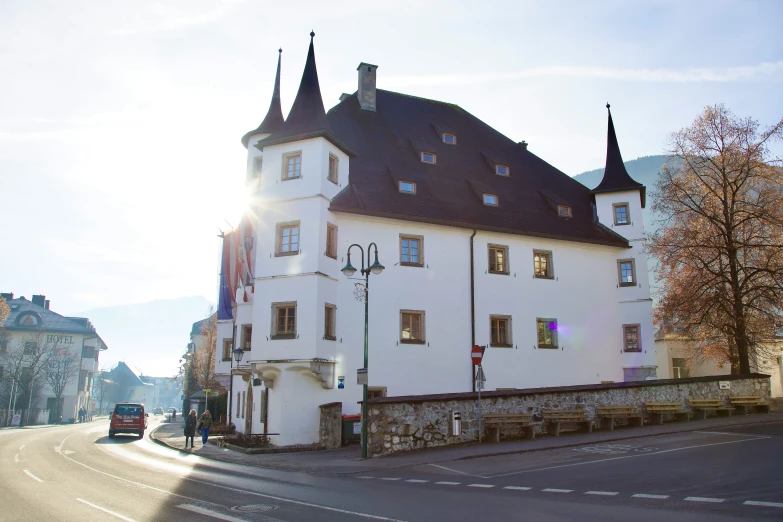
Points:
x=451, y=139
x=428, y=157
x=502, y=170
x=407, y=187
x=491, y=200
x=564, y=210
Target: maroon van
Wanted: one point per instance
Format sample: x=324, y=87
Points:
x=128, y=418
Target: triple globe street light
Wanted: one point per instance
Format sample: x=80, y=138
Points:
x=349, y=270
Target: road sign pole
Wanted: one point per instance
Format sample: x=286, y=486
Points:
x=479, y=385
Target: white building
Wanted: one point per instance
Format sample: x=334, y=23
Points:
x=482, y=242
x=32, y=326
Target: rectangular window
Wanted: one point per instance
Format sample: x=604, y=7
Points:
x=88, y=352
x=257, y=167
x=228, y=349
x=502, y=170
x=679, y=368
x=542, y=264
x=411, y=326
x=239, y=403
x=564, y=210
x=30, y=348
x=631, y=338
x=287, y=239
x=498, y=259
x=284, y=320
x=374, y=393
x=331, y=240
x=451, y=139
x=3, y=344
x=428, y=157
x=334, y=171
x=621, y=215
x=500, y=331
x=491, y=200
x=330, y=313
x=292, y=165
x=411, y=251
x=247, y=336
x=547, y=332
x=626, y=271
x=407, y=187
x=244, y=404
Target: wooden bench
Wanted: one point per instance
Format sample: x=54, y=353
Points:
x=609, y=413
x=705, y=405
x=752, y=401
x=659, y=409
x=495, y=422
x=578, y=418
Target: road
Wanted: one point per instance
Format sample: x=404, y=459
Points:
x=77, y=473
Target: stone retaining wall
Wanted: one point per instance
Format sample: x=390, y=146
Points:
x=424, y=421
x=330, y=425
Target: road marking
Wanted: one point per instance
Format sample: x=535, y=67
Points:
x=207, y=512
x=603, y=493
x=704, y=499
x=518, y=488
x=739, y=434
x=444, y=483
x=554, y=490
x=21, y=447
x=121, y=517
x=481, y=485
x=391, y=478
x=57, y=449
x=365, y=477
x=645, y=495
x=32, y=476
x=763, y=504
x=416, y=480
x=623, y=457
x=16, y=458
x=454, y=470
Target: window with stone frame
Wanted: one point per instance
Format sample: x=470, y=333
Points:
x=292, y=165
x=621, y=214
x=228, y=349
x=546, y=329
x=631, y=338
x=411, y=250
x=542, y=264
x=626, y=271
x=287, y=241
x=331, y=240
x=330, y=317
x=257, y=164
x=498, y=259
x=500, y=331
x=247, y=336
x=284, y=320
x=334, y=170
x=412, y=326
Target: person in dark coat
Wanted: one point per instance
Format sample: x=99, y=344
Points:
x=204, y=425
x=190, y=427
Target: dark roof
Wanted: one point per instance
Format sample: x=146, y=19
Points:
x=49, y=321
x=616, y=178
x=307, y=118
x=389, y=141
x=274, y=116
x=196, y=329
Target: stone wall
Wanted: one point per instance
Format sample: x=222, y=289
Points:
x=330, y=427
x=424, y=421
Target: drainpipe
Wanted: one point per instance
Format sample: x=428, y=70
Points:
x=472, y=312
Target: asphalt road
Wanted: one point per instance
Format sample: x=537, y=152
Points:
x=78, y=473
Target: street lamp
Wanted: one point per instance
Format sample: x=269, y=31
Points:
x=376, y=268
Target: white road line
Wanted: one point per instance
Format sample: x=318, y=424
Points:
x=518, y=488
x=57, y=449
x=391, y=478
x=454, y=470
x=416, y=480
x=21, y=447
x=32, y=476
x=645, y=495
x=704, y=499
x=738, y=434
x=444, y=483
x=481, y=485
x=554, y=490
x=603, y=493
x=365, y=477
x=763, y=504
x=16, y=458
x=619, y=458
x=207, y=512
x=112, y=513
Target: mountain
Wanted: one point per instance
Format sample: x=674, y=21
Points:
x=151, y=336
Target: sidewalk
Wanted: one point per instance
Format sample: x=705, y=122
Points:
x=346, y=460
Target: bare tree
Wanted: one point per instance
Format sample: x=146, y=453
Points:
x=62, y=367
x=103, y=384
x=25, y=363
x=720, y=247
x=204, y=357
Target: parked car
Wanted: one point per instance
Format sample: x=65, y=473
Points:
x=128, y=418
x=157, y=411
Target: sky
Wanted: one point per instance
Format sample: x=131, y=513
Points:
x=120, y=122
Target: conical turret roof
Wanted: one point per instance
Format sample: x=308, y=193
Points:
x=616, y=178
x=274, y=116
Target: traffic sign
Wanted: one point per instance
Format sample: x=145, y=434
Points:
x=476, y=354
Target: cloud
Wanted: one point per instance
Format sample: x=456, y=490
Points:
x=685, y=75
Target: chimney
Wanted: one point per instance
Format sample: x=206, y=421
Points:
x=39, y=300
x=344, y=96
x=367, y=86
x=46, y=304
x=7, y=295
x=524, y=144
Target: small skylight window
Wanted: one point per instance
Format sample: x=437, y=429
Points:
x=502, y=170
x=564, y=210
x=451, y=139
x=407, y=187
x=491, y=200
x=428, y=157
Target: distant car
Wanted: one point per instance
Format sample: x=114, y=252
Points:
x=128, y=418
x=157, y=411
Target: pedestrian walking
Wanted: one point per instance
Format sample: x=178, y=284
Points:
x=190, y=427
x=173, y=414
x=81, y=414
x=205, y=424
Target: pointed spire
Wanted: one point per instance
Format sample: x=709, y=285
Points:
x=616, y=177
x=307, y=113
x=274, y=116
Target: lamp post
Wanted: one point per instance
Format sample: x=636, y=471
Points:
x=376, y=268
x=238, y=353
